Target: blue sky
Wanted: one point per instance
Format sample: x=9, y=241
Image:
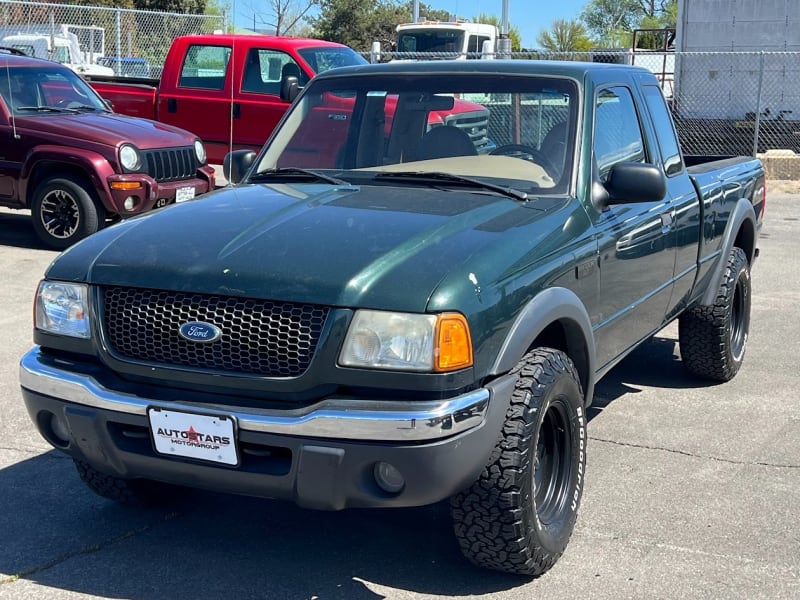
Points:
x=529, y=16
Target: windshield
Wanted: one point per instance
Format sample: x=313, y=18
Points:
x=42, y=90
x=517, y=135
x=437, y=41
x=323, y=58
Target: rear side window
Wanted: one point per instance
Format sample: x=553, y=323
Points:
x=204, y=67
x=617, y=133
x=665, y=132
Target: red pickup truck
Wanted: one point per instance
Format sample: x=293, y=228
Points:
x=230, y=90
x=225, y=88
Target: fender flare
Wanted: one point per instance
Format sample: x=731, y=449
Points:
x=94, y=165
x=556, y=304
x=742, y=215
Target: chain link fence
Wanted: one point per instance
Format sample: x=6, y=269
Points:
x=130, y=42
x=724, y=103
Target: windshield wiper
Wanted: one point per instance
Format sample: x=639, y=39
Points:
x=50, y=109
x=297, y=172
x=449, y=177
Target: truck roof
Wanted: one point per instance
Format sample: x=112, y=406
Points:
x=554, y=68
x=257, y=39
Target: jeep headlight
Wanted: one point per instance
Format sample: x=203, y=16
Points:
x=407, y=342
x=62, y=308
x=129, y=157
x=200, y=151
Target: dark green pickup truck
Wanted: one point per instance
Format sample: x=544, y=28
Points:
x=388, y=311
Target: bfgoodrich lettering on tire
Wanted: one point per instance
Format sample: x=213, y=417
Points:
x=519, y=515
x=713, y=339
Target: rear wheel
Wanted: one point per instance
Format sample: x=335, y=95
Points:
x=519, y=516
x=64, y=212
x=713, y=338
x=143, y=492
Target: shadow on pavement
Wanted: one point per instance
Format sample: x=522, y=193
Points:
x=16, y=230
x=60, y=535
x=656, y=363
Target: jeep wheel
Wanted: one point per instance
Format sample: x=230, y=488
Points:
x=142, y=492
x=64, y=212
x=519, y=515
x=713, y=339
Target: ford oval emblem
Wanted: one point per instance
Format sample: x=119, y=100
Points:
x=197, y=331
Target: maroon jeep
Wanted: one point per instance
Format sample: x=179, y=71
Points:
x=77, y=165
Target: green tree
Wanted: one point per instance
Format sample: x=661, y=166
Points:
x=565, y=36
x=612, y=21
x=191, y=7
x=358, y=23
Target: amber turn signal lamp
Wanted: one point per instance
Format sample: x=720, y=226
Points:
x=125, y=185
x=453, y=343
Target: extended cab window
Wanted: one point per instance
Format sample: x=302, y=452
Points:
x=667, y=140
x=204, y=67
x=264, y=69
x=617, y=134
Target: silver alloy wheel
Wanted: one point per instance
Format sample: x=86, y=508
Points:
x=60, y=214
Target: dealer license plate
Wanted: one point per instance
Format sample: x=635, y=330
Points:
x=203, y=437
x=183, y=194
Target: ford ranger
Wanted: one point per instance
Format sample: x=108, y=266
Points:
x=379, y=316
x=76, y=165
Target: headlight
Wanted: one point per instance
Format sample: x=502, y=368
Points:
x=407, y=342
x=129, y=157
x=200, y=151
x=62, y=308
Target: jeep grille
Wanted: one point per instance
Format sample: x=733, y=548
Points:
x=259, y=337
x=170, y=164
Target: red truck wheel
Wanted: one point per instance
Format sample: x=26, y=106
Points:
x=519, y=515
x=64, y=212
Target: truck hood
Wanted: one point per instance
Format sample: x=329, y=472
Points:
x=107, y=128
x=372, y=246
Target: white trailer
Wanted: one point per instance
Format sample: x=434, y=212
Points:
x=714, y=83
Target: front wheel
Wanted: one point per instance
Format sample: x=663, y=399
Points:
x=64, y=212
x=713, y=338
x=519, y=516
x=139, y=492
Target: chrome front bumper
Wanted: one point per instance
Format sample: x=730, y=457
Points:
x=332, y=418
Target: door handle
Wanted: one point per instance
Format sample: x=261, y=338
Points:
x=237, y=110
x=172, y=105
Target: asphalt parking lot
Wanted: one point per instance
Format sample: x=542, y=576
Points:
x=693, y=490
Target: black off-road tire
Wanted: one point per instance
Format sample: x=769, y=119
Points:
x=132, y=492
x=64, y=211
x=519, y=516
x=713, y=339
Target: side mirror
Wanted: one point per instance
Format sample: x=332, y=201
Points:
x=630, y=182
x=290, y=87
x=236, y=164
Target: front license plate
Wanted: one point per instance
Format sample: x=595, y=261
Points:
x=183, y=194
x=203, y=437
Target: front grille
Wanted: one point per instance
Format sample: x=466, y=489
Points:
x=170, y=164
x=259, y=337
x=475, y=124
